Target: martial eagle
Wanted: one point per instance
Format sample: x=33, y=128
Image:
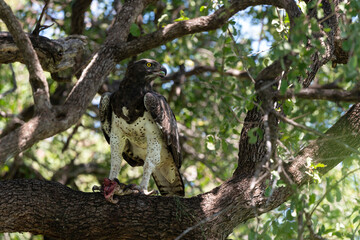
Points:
x=141, y=129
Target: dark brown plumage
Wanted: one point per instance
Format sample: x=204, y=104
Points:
x=141, y=128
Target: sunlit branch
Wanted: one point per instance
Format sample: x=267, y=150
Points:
x=334, y=95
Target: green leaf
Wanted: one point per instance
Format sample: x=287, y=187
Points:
x=326, y=207
x=338, y=195
x=224, y=146
x=312, y=198
x=135, y=30
x=329, y=197
x=235, y=131
x=283, y=86
x=182, y=17
x=319, y=165
x=202, y=8
x=267, y=191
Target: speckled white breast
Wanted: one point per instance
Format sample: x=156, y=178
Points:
x=136, y=131
x=140, y=133
x=146, y=142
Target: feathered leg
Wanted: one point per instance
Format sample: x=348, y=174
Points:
x=117, y=145
x=151, y=161
x=111, y=185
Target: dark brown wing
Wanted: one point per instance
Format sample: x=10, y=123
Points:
x=160, y=110
x=105, y=114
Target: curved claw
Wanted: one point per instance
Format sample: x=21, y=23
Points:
x=96, y=188
x=115, y=187
x=142, y=191
x=111, y=187
x=152, y=192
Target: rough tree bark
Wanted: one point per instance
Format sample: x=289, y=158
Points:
x=69, y=214
x=51, y=209
x=54, y=55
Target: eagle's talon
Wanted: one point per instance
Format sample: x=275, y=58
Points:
x=146, y=192
x=135, y=189
x=112, y=200
x=131, y=189
x=152, y=192
x=111, y=188
x=138, y=124
x=117, y=181
x=96, y=188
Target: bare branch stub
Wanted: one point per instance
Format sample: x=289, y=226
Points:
x=54, y=55
x=38, y=27
x=64, y=116
x=116, y=49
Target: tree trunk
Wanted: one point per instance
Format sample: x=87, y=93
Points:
x=54, y=210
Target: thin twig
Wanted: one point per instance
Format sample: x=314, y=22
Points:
x=38, y=26
x=37, y=79
x=313, y=235
x=295, y=124
x=327, y=17
x=326, y=138
x=66, y=145
x=6, y=115
x=331, y=188
x=354, y=234
x=237, y=52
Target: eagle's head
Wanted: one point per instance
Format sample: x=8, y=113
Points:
x=147, y=69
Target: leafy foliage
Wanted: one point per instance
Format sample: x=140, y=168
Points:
x=210, y=108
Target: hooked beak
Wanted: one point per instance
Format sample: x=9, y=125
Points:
x=164, y=71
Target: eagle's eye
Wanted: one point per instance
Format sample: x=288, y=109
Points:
x=148, y=64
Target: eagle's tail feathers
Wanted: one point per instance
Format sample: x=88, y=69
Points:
x=166, y=188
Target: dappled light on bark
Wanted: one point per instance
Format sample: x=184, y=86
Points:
x=256, y=125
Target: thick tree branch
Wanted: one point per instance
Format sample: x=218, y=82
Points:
x=62, y=117
x=330, y=40
x=37, y=78
x=340, y=141
x=221, y=209
x=197, y=70
x=291, y=8
x=335, y=95
x=103, y=61
x=251, y=155
x=54, y=55
x=271, y=72
x=200, y=24
x=115, y=49
x=78, y=10
x=29, y=202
